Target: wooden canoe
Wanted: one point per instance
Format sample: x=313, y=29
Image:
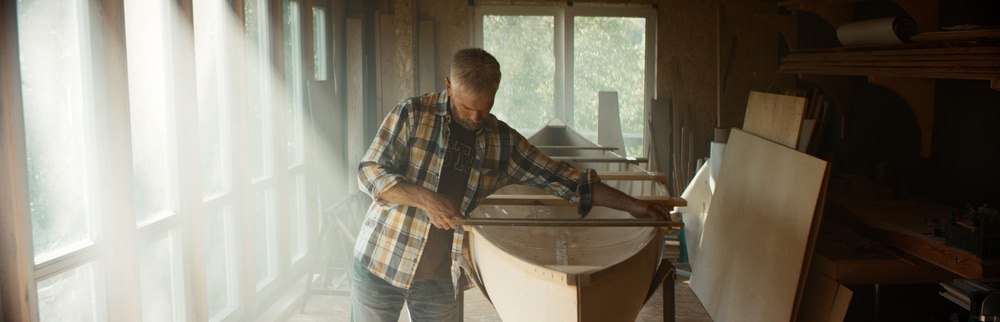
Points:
x=548, y=273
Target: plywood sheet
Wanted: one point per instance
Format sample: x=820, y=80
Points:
x=775, y=117
x=824, y=299
x=757, y=239
x=699, y=196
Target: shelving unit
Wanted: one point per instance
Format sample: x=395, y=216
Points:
x=909, y=69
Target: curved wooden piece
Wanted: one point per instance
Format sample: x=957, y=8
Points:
x=924, y=12
x=786, y=25
x=919, y=94
x=835, y=14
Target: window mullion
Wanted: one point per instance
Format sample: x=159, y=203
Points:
x=189, y=200
x=113, y=160
x=241, y=170
x=650, y=79
x=563, y=38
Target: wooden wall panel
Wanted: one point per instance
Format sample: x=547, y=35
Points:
x=16, y=259
x=356, y=144
x=426, y=80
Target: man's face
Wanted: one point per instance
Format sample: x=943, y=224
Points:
x=468, y=109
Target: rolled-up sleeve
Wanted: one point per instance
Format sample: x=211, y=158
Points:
x=530, y=166
x=379, y=169
x=585, y=192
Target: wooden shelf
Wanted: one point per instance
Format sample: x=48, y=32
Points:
x=837, y=12
x=909, y=70
x=914, y=61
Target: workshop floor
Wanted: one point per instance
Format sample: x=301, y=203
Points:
x=477, y=309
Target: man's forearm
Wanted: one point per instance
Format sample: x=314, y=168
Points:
x=606, y=196
x=408, y=194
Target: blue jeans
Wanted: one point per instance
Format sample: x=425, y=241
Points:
x=374, y=299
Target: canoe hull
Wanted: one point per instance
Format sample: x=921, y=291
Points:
x=600, y=274
x=566, y=273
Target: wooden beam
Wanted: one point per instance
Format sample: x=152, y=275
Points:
x=635, y=176
x=570, y=147
x=563, y=222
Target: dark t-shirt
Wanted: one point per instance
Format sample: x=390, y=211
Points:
x=435, y=263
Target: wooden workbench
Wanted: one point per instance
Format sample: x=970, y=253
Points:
x=906, y=223
x=849, y=258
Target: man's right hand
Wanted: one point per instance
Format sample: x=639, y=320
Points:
x=439, y=208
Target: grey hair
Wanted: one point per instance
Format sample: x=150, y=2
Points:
x=476, y=70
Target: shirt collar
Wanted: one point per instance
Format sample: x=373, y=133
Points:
x=443, y=102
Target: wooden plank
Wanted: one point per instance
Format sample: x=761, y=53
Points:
x=599, y=159
x=957, y=35
x=551, y=200
x=775, y=117
x=568, y=147
x=758, y=237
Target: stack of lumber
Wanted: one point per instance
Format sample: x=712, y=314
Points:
x=759, y=231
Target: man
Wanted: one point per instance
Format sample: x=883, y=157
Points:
x=434, y=158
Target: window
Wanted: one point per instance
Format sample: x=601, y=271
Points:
x=555, y=61
x=149, y=47
x=319, y=44
x=165, y=159
x=261, y=80
x=213, y=29
x=61, y=141
x=295, y=129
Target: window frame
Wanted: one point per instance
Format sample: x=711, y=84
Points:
x=564, y=49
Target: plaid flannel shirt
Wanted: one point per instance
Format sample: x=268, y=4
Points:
x=410, y=147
